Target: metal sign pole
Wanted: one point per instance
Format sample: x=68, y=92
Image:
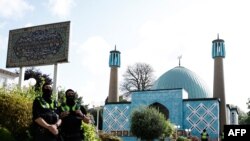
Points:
x=55, y=81
x=21, y=77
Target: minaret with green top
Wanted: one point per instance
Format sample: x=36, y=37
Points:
x=218, y=54
x=114, y=64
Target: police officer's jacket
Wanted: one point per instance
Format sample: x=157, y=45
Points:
x=45, y=110
x=72, y=122
x=204, y=135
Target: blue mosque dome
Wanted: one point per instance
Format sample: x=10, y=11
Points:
x=181, y=77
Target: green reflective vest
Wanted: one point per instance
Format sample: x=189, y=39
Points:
x=46, y=105
x=204, y=135
x=66, y=108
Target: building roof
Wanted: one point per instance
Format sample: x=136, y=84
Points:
x=233, y=108
x=8, y=73
x=181, y=77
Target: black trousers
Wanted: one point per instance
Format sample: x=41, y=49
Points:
x=45, y=137
x=72, y=139
x=73, y=136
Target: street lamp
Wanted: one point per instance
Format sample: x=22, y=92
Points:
x=188, y=132
x=97, y=116
x=97, y=124
x=176, y=130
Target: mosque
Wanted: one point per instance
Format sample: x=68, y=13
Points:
x=179, y=94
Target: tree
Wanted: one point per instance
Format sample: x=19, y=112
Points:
x=61, y=96
x=248, y=104
x=247, y=121
x=137, y=77
x=37, y=74
x=148, y=123
x=244, y=118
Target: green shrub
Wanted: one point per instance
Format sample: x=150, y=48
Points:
x=148, y=123
x=108, y=137
x=89, y=132
x=6, y=135
x=181, y=138
x=169, y=130
x=16, y=111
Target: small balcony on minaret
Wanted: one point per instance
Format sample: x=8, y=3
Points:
x=114, y=58
x=218, y=49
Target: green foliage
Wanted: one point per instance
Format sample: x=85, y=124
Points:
x=244, y=118
x=5, y=135
x=148, y=123
x=248, y=104
x=16, y=111
x=181, y=138
x=108, y=137
x=61, y=96
x=247, y=121
x=89, y=132
x=169, y=130
x=121, y=99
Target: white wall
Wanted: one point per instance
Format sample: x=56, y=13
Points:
x=7, y=80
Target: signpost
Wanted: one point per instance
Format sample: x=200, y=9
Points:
x=38, y=45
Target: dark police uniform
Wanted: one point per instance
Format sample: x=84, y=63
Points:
x=204, y=136
x=71, y=124
x=45, y=110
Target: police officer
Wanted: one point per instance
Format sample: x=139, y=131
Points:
x=204, y=135
x=72, y=115
x=45, y=118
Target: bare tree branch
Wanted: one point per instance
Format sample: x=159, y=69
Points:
x=137, y=77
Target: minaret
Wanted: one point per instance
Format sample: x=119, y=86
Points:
x=114, y=63
x=218, y=53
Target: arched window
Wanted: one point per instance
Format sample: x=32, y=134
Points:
x=161, y=108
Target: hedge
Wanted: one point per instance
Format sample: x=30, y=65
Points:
x=16, y=112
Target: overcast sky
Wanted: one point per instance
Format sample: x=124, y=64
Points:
x=148, y=31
